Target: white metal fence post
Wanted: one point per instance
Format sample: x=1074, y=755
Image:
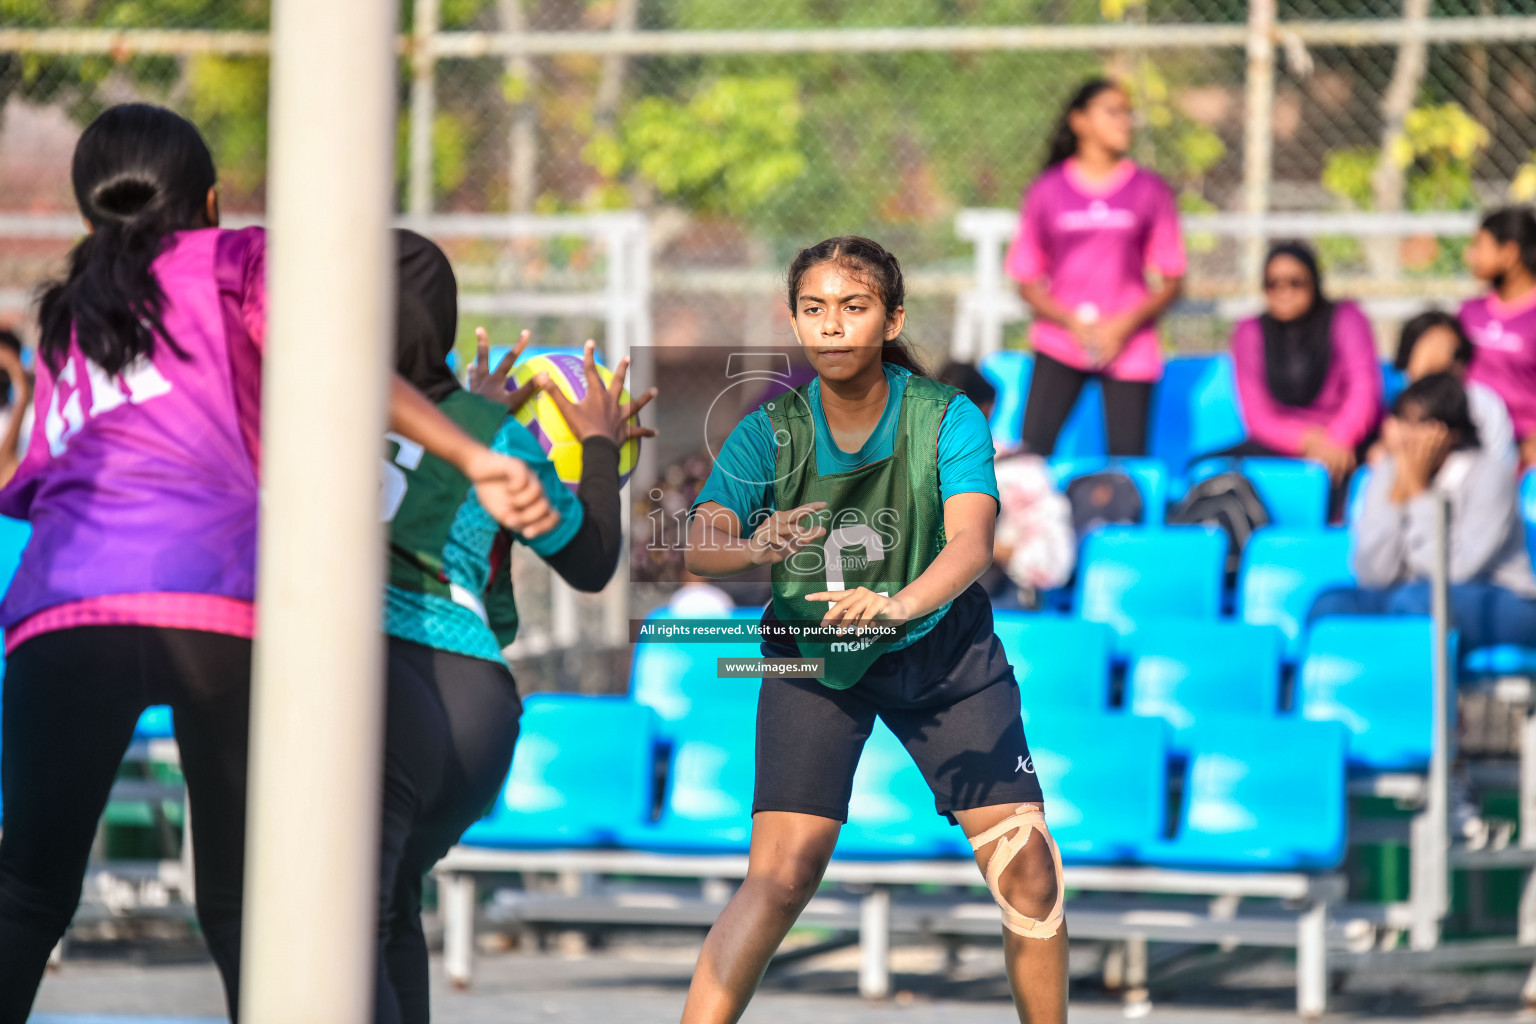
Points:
x=875, y=944
x=423, y=105
x=1258, y=129
x=1430, y=867
x=1312, y=960
x=312, y=825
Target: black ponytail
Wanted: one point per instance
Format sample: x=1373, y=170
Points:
x=1064, y=139
x=879, y=267
x=1514, y=224
x=140, y=172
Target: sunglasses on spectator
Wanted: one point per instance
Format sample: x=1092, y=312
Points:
x=1275, y=284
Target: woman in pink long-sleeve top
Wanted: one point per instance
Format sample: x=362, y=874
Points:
x=1307, y=376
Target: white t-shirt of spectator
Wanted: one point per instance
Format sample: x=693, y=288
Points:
x=1495, y=432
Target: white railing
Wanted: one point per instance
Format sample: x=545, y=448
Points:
x=623, y=304
x=992, y=301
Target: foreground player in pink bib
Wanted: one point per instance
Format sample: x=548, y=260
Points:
x=141, y=487
x=1092, y=224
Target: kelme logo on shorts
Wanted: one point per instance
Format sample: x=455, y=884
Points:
x=1026, y=764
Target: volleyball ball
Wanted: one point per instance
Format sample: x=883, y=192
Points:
x=542, y=416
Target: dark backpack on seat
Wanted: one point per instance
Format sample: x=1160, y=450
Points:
x=1102, y=499
x=1226, y=500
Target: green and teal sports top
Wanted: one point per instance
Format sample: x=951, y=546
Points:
x=443, y=544
x=885, y=501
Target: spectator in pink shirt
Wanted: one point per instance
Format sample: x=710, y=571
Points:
x=1091, y=225
x=1306, y=367
x=1502, y=323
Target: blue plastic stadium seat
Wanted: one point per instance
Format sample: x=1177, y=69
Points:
x=1009, y=372
x=1502, y=660
x=1062, y=664
x=14, y=534
x=708, y=803
x=1393, y=381
x=1510, y=659
x=1283, y=571
x=1294, y=491
x=1149, y=475
x=154, y=724
x=1105, y=783
x=891, y=810
x=1528, y=509
x=1130, y=576
x=1260, y=794
x=1194, y=411
x=1374, y=674
x=677, y=679
x=1355, y=503
x=1186, y=672
x=582, y=772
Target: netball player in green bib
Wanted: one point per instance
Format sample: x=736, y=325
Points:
x=870, y=492
x=452, y=707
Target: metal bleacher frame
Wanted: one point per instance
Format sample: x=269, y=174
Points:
x=867, y=901
x=875, y=911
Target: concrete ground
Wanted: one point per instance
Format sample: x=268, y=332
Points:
x=642, y=979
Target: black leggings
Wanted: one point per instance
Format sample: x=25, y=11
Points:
x=71, y=701
x=450, y=728
x=1053, y=391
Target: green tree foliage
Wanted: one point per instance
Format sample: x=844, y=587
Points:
x=226, y=96
x=1438, y=148
x=726, y=149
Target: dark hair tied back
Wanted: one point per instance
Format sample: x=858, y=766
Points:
x=879, y=267
x=1514, y=224
x=140, y=172
x=1064, y=139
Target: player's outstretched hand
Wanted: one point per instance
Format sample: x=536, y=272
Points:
x=599, y=412
x=859, y=607
x=784, y=534
x=492, y=384
x=511, y=493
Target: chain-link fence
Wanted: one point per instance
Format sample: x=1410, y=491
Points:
x=746, y=130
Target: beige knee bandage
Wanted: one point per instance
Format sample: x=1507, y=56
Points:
x=1022, y=823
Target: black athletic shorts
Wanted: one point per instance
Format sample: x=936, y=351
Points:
x=950, y=698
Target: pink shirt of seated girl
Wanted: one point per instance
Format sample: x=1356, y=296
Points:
x=1504, y=353
x=1347, y=406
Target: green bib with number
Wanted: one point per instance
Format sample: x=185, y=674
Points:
x=422, y=496
x=884, y=521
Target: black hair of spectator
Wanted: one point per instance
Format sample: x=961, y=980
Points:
x=1514, y=224
x=1063, y=139
x=1420, y=325
x=1442, y=398
x=970, y=380
x=12, y=342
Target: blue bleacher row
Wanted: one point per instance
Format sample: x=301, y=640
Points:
x=1202, y=713
x=1201, y=721
x=1170, y=723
